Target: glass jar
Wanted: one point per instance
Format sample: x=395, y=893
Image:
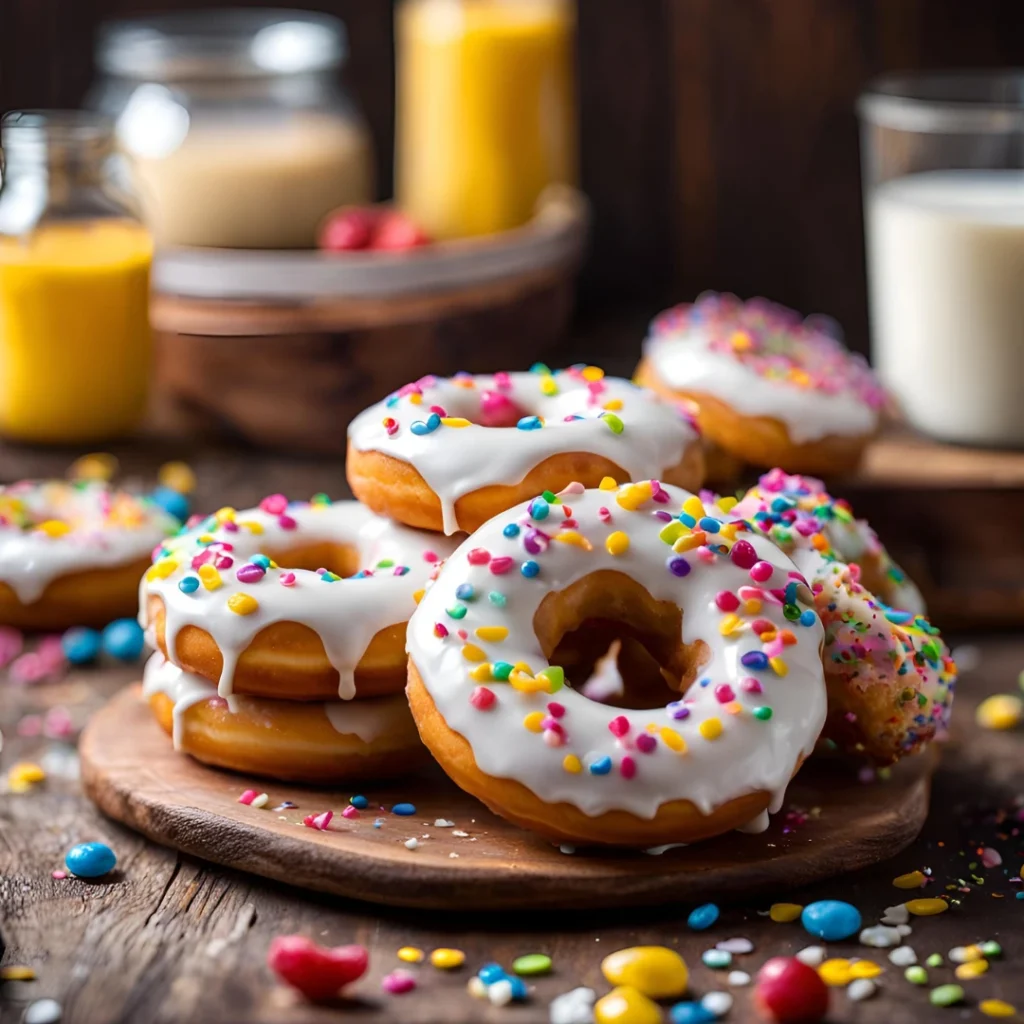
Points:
x=485, y=111
x=235, y=125
x=943, y=173
x=74, y=283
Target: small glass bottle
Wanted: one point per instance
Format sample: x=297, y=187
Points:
x=75, y=343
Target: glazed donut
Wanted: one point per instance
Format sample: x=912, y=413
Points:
x=771, y=390
x=243, y=600
x=725, y=612
x=336, y=741
x=72, y=554
x=450, y=453
x=890, y=677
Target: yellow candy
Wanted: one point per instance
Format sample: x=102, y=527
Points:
x=654, y=971
x=727, y=504
x=481, y=673
x=455, y=421
x=473, y=653
x=836, y=972
x=617, y=543
x=1004, y=711
x=710, y=728
x=17, y=973
x=575, y=538
x=625, y=1005
x=729, y=624
x=95, y=466
x=613, y=405
x=607, y=484
x=209, y=576
x=25, y=773
x=971, y=969
x=492, y=634
x=178, y=476
x=632, y=496
x=572, y=764
x=252, y=526
x=411, y=955
x=161, y=570
x=780, y=667
x=997, y=1008
x=533, y=721
x=447, y=959
x=417, y=595
x=865, y=969
x=672, y=739
x=671, y=532
x=54, y=528
x=688, y=541
x=783, y=913
x=927, y=907
x=225, y=514
x=525, y=683
x=548, y=385
x=243, y=604
x=694, y=506
x=593, y=373
x=415, y=398
x=911, y=880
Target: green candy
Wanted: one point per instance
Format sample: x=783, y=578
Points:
x=916, y=975
x=991, y=948
x=613, y=421
x=935, y=960
x=532, y=963
x=457, y=611
x=501, y=670
x=946, y=995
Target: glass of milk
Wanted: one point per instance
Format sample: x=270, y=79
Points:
x=943, y=173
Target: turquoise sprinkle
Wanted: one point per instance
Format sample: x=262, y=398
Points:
x=458, y=611
x=499, y=600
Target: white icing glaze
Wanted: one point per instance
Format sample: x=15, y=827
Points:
x=685, y=349
x=346, y=613
x=749, y=755
x=455, y=461
x=367, y=719
x=109, y=528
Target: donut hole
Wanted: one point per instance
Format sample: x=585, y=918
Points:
x=341, y=559
x=608, y=613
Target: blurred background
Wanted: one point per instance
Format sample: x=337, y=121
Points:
x=718, y=139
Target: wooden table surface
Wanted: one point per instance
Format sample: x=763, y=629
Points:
x=171, y=938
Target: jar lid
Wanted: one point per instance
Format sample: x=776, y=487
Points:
x=221, y=44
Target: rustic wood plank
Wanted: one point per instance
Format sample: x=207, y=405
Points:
x=172, y=939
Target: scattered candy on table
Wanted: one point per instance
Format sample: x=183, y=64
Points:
x=831, y=920
x=123, y=639
x=655, y=971
x=1003, y=711
x=90, y=860
x=318, y=972
x=81, y=645
x=626, y=1005
x=790, y=992
x=703, y=917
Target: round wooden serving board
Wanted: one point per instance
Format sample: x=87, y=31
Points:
x=131, y=772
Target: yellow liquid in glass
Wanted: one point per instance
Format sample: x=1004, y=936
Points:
x=75, y=344
x=486, y=112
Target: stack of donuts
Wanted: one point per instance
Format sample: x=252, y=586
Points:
x=508, y=528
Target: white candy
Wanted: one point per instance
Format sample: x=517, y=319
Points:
x=443, y=823
x=904, y=929
x=500, y=992
x=861, y=988
x=740, y=945
x=880, y=937
x=718, y=1003
x=43, y=1011
x=813, y=956
x=896, y=915
x=738, y=978
x=476, y=988
x=412, y=844
x=575, y=1007
x=903, y=956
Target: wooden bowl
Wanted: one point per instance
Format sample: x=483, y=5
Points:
x=282, y=349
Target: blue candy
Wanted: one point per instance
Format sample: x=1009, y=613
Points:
x=490, y=973
x=690, y=1013
x=172, y=502
x=80, y=645
x=123, y=639
x=360, y=802
x=188, y=585
x=90, y=860
x=807, y=617
x=703, y=917
x=602, y=766
x=529, y=423
x=512, y=530
x=529, y=568
x=519, y=991
x=404, y=810
x=831, y=920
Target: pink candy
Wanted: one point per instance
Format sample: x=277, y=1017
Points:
x=398, y=982
x=478, y=556
x=500, y=566
x=727, y=601
x=482, y=698
x=761, y=572
x=627, y=766
x=619, y=725
x=318, y=821
x=274, y=504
